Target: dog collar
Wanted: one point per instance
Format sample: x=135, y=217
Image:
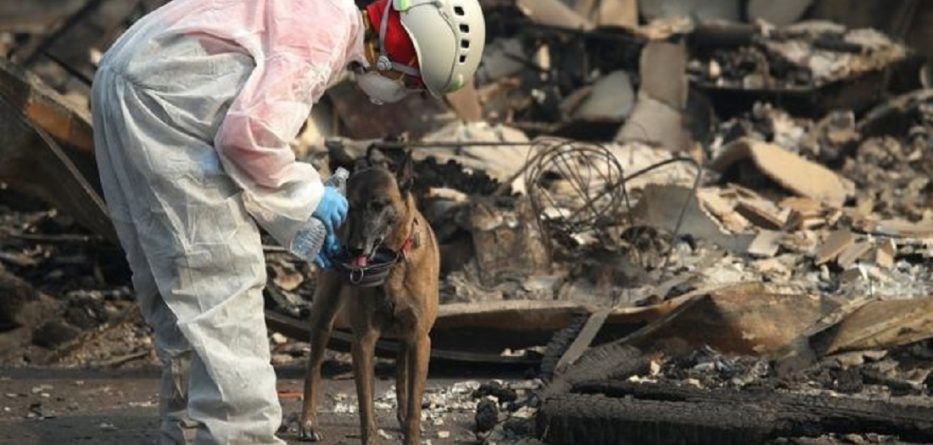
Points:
x=376, y=274
x=410, y=243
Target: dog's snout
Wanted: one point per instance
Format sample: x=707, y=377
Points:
x=356, y=243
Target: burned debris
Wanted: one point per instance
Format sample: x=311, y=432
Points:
x=664, y=213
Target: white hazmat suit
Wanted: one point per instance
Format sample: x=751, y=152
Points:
x=193, y=110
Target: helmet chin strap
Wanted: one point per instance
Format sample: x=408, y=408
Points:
x=384, y=63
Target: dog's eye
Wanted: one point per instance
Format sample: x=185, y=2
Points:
x=378, y=204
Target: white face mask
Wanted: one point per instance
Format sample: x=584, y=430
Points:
x=381, y=89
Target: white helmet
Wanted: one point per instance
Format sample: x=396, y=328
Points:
x=448, y=36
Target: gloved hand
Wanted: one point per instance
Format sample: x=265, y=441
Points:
x=332, y=210
x=323, y=261
x=328, y=251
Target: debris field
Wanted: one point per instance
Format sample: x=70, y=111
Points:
x=660, y=222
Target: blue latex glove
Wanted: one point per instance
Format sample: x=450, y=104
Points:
x=332, y=210
x=328, y=251
x=323, y=261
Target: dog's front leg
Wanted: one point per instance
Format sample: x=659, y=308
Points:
x=401, y=383
x=418, y=355
x=364, y=350
x=324, y=309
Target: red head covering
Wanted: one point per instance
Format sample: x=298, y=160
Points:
x=397, y=42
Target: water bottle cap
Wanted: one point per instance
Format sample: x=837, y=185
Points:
x=339, y=180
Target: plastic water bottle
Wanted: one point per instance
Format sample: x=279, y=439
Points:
x=339, y=180
x=308, y=242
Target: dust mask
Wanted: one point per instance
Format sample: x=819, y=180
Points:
x=381, y=89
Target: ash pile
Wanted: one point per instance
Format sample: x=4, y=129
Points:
x=695, y=222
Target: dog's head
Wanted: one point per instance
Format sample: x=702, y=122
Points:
x=378, y=202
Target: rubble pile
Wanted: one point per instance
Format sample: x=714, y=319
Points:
x=667, y=212
x=799, y=56
x=74, y=283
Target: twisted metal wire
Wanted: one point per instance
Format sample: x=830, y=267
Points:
x=598, y=183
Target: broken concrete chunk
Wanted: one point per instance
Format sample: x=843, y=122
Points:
x=715, y=204
x=805, y=206
x=904, y=229
x=553, y=13
x=658, y=115
x=796, y=174
x=656, y=123
x=774, y=267
x=833, y=246
x=765, y=244
x=622, y=13
x=853, y=253
x=660, y=206
x=885, y=252
x=501, y=57
x=663, y=68
x=610, y=99
x=806, y=214
x=763, y=213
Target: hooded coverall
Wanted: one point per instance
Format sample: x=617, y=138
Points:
x=193, y=110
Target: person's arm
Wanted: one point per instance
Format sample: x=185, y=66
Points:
x=298, y=52
x=253, y=143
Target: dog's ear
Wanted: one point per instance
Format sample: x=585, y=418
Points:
x=405, y=174
x=375, y=158
x=360, y=164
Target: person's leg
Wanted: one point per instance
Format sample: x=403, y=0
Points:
x=215, y=288
x=172, y=347
x=205, y=257
x=174, y=352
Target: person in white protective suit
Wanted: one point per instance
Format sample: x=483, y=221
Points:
x=193, y=110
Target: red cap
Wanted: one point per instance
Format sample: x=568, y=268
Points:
x=397, y=42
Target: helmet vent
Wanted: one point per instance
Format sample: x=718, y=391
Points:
x=464, y=28
x=463, y=58
x=465, y=44
x=458, y=10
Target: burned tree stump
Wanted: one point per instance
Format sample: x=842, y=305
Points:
x=610, y=361
x=598, y=419
x=621, y=412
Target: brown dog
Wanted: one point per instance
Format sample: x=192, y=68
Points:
x=382, y=211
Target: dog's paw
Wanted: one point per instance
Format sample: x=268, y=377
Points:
x=308, y=434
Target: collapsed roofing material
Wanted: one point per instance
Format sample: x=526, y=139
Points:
x=816, y=201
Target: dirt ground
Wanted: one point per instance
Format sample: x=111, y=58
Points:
x=110, y=407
